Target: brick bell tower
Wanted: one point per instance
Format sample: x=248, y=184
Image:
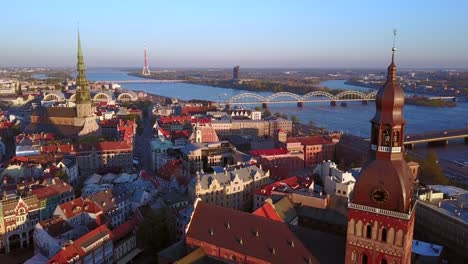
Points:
x=381, y=215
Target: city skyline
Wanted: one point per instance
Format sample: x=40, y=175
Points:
x=253, y=35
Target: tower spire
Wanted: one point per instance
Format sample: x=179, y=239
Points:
x=82, y=92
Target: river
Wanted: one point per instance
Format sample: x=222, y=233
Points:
x=353, y=119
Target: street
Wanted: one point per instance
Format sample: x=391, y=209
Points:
x=143, y=143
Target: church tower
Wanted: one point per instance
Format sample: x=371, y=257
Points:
x=381, y=215
x=83, y=98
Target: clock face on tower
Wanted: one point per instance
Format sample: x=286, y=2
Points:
x=379, y=195
x=386, y=138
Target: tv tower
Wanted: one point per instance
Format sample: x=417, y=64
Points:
x=146, y=71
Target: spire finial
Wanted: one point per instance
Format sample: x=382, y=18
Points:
x=392, y=68
x=394, y=47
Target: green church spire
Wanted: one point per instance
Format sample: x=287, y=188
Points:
x=82, y=92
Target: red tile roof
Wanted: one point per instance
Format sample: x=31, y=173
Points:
x=56, y=226
x=174, y=119
x=268, y=211
x=245, y=234
x=78, y=248
x=79, y=205
x=311, y=140
x=268, y=152
x=125, y=228
x=295, y=183
x=201, y=120
x=172, y=168
x=58, y=187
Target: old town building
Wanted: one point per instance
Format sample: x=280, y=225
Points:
x=335, y=181
x=232, y=188
x=381, y=214
x=18, y=217
x=315, y=148
x=94, y=247
x=91, y=157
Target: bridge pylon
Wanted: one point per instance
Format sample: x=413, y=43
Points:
x=300, y=104
x=364, y=102
x=264, y=105
x=333, y=103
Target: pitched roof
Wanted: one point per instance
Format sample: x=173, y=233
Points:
x=246, y=234
x=285, y=209
x=80, y=246
x=104, y=199
x=56, y=226
x=59, y=130
x=124, y=229
x=79, y=205
x=267, y=210
x=292, y=183
x=225, y=177
x=69, y=112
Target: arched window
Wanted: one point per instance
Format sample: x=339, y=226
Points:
x=399, y=238
x=364, y=259
x=359, y=228
x=368, y=231
x=351, y=225
x=354, y=256
x=383, y=261
x=384, y=234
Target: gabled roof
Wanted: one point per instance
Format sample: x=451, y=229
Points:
x=267, y=210
x=81, y=246
x=285, y=209
x=56, y=226
x=225, y=177
x=247, y=234
x=124, y=229
x=79, y=205
x=291, y=184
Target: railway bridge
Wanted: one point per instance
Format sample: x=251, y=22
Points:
x=312, y=97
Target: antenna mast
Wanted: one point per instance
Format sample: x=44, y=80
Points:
x=146, y=71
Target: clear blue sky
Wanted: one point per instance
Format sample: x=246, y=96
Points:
x=251, y=33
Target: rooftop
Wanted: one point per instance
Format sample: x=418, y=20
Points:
x=291, y=184
x=80, y=247
x=448, y=190
x=75, y=207
x=426, y=249
x=246, y=234
x=56, y=226
x=456, y=209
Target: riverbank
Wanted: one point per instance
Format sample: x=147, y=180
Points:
x=252, y=85
x=425, y=101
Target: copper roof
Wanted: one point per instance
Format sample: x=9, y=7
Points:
x=246, y=234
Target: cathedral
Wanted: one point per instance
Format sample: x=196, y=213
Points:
x=381, y=214
x=69, y=122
